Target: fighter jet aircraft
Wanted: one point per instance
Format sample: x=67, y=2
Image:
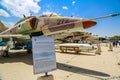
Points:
x=77, y=36
x=49, y=25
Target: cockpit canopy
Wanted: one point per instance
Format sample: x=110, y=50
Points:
x=49, y=14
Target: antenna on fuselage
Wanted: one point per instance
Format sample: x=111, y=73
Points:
x=51, y=14
x=24, y=15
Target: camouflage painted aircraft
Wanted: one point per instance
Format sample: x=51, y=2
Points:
x=49, y=25
x=78, y=36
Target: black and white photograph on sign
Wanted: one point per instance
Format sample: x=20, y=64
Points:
x=44, y=58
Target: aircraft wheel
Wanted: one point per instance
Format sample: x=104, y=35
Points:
x=29, y=51
x=5, y=54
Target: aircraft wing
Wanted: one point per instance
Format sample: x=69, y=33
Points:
x=12, y=35
x=15, y=37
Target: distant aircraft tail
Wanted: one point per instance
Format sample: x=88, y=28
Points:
x=2, y=27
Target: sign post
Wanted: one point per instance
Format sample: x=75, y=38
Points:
x=44, y=59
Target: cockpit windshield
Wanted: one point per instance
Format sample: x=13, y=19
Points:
x=49, y=14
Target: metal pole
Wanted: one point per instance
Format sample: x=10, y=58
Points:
x=111, y=15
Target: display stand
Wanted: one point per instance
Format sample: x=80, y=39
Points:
x=110, y=47
x=98, y=51
x=46, y=77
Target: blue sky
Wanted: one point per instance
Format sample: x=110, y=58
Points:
x=12, y=11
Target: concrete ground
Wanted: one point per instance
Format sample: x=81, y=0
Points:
x=70, y=66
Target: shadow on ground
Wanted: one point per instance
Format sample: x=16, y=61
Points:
x=80, y=53
x=17, y=57
x=83, y=71
x=27, y=58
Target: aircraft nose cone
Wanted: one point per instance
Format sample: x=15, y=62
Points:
x=88, y=24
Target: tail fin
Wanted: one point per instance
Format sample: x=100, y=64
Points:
x=2, y=27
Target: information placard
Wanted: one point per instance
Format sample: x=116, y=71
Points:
x=44, y=59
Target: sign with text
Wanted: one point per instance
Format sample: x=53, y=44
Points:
x=44, y=59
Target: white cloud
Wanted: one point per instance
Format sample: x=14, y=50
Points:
x=73, y=2
x=19, y=7
x=4, y=13
x=65, y=7
x=37, y=0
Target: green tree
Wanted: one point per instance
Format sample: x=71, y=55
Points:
x=115, y=37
